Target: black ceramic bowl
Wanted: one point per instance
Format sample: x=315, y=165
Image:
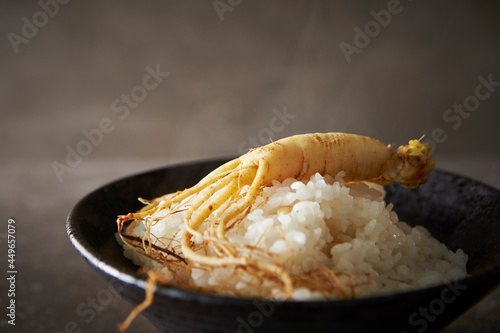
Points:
x=458, y=211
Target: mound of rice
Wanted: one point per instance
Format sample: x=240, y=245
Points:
x=323, y=222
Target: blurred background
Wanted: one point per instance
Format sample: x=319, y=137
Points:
x=93, y=91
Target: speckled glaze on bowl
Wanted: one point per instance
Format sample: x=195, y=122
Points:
x=458, y=211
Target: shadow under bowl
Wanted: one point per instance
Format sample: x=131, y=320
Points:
x=458, y=211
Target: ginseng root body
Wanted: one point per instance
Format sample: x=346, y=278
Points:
x=228, y=193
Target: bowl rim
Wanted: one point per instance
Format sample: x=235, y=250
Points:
x=99, y=262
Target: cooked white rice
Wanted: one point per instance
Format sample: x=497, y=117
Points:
x=322, y=222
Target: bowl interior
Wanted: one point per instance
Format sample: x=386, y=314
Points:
x=458, y=211
x=92, y=222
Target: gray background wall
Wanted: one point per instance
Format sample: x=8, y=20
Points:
x=226, y=76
